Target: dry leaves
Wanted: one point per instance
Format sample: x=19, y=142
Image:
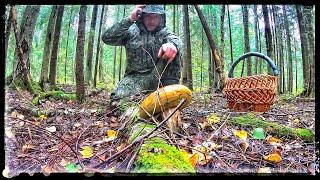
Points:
x=86, y=152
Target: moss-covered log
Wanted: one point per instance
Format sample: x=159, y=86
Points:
x=272, y=127
x=54, y=94
x=156, y=155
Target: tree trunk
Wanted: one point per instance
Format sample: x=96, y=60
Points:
x=66, y=60
x=25, y=38
x=256, y=21
x=44, y=77
x=21, y=76
x=7, y=36
x=268, y=36
x=223, y=11
x=174, y=19
x=80, y=88
x=288, y=39
x=114, y=64
x=101, y=65
x=88, y=78
x=98, y=49
x=55, y=46
x=246, y=37
x=304, y=48
x=187, y=55
x=216, y=57
x=230, y=36
x=201, y=61
x=308, y=14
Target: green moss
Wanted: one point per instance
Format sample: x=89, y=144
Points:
x=53, y=94
x=272, y=127
x=156, y=156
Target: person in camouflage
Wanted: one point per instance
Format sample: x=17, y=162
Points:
x=151, y=50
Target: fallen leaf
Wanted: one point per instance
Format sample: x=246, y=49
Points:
x=244, y=145
x=51, y=129
x=37, y=123
x=63, y=162
x=8, y=132
x=99, y=124
x=86, y=152
x=213, y=118
x=296, y=121
x=27, y=147
x=43, y=117
x=193, y=159
x=93, y=110
x=20, y=116
x=264, y=170
x=275, y=158
x=77, y=125
x=242, y=134
x=123, y=145
x=47, y=170
x=273, y=141
x=204, y=125
x=112, y=134
x=14, y=114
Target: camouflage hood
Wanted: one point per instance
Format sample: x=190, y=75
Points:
x=155, y=9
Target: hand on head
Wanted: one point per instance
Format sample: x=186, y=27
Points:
x=135, y=11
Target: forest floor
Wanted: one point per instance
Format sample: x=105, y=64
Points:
x=74, y=136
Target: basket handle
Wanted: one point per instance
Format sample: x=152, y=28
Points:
x=270, y=62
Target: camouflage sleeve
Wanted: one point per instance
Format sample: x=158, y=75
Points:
x=117, y=34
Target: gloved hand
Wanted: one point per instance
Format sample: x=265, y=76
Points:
x=168, y=51
x=134, y=14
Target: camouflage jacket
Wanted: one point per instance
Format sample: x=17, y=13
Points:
x=137, y=40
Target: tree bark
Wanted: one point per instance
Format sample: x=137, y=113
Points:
x=187, y=56
x=25, y=33
x=66, y=60
x=246, y=37
x=21, y=76
x=223, y=11
x=7, y=36
x=268, y=35
x=216, y=57
x=98, y=50
x=55, y=46
x=44, y=77
x=288, y=39
x=80, y=88
x=88, y=78
x=174, y=19
x=304, y=48
x=256, y=20
x=230, y=36
x=308, y=14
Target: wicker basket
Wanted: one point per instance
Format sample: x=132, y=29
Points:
x=252, y=93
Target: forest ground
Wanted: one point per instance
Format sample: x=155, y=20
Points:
x=35, y=143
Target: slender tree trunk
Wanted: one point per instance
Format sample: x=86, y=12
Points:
x=256, y=19
x=268, y=35
x=288, y=39
x=188, y=62
x=66, y=60
x=230, y=36
x=44, y=77
x=7, y=36
x=88, y=78
x=201, y=61
x=55, y=46
x=246, y=37
x=98, y=50
x=296, y=60
x=80, y=88
x=273, y=30
x=304, y=48
x=223, y=12
x=114, y=64
x=218, y=62
x=101, y=65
